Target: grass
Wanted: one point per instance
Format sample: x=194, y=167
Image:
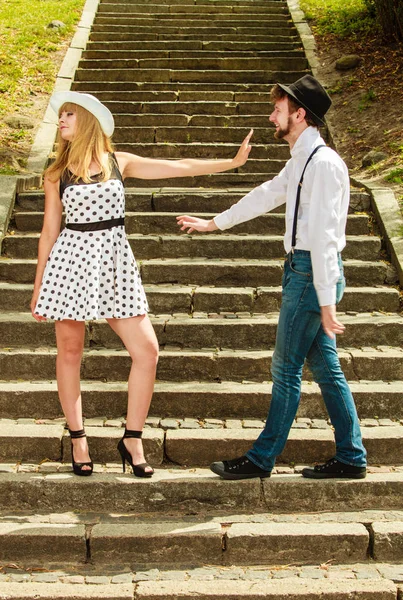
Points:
x=343, y=18
x=29, y=58
x=395, y=176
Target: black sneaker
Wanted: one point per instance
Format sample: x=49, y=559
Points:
x=238, y=468
x=334, y=468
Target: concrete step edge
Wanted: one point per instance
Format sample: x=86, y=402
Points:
x=187, y=542
x=202, y=319
x=306, y=589
x=183, y=387
x=195, y=491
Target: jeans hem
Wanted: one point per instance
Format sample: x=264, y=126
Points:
x=350, y=464
x=260, y=465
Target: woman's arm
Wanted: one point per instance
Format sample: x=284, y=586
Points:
x=50, y=230
x=131, y=165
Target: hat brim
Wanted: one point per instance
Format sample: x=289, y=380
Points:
x=90, y=103
x=291, y=93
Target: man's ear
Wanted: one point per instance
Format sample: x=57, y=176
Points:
x=301, y=114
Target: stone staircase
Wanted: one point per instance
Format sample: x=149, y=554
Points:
x=188, y=78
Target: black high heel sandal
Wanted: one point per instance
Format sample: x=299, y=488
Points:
x=78, y=466
x=138, y=470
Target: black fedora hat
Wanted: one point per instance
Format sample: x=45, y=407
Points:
x=308, y=92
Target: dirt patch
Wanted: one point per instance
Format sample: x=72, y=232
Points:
x=367, y=110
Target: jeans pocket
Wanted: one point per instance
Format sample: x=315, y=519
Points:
x=305, y=272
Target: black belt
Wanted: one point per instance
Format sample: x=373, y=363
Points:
x=97, y=225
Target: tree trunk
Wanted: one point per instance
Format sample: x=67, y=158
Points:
x=390, y=15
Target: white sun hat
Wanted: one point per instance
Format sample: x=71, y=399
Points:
x=90, y=103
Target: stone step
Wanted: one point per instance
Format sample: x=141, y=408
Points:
x=184, y=4
x=32, y=443
x=221, y=273
x=182, y=75
x=64, y=591
x=176, y=36
x=196, y=491
x=202, y=446
x=237, y=27
x=300, y=589
x=188, y=300
x=139, y=97
x=192, y=108
x=25, y=245
x=164, y=55
x=183, y=200
x=186, y=19
x=203, y=64
x=189, y=135
x=184, y=542
x=165, y=223
x=226, y=180
x=272, y=8
x=201, y=331
x=177, y=87
x=38, y=364
x=196, y=45
x=232, y=403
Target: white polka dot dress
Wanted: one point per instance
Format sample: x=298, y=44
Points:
x=92, y=275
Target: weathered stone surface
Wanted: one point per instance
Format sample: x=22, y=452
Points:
x=388, y=541
x=350, y=61
x=19, y=122
x=171, y=492
x=201, y=447
x=159, y=543
x=276, y=543
x=30, y=442
x=41, y=541
x=65, y=591
x=373, y=157
x=300, y=589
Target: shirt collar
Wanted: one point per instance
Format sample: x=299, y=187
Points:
x=307, y=141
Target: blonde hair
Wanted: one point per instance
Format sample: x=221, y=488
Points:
x=89, y=143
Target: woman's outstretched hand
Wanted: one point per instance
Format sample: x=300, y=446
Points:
x=195, y=224
x=243, y=152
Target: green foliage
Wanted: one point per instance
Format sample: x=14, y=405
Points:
x=366, y=99
x=340, y=17
x=395, y=176
x=27, y=46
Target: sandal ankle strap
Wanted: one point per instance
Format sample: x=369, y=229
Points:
x=77, y=434
x=131, y=433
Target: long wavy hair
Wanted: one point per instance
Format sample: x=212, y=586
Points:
x=89, y=143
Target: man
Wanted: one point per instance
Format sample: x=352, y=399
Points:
x=313, y=283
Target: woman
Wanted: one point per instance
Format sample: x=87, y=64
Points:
x=88, y=271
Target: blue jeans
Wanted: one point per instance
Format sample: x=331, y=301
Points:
x=300, y=337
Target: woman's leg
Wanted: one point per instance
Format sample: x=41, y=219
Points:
x=70, y=345
x=138, y=336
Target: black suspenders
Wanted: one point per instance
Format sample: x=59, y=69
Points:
x=294, y=225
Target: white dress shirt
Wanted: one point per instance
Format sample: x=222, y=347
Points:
x=323, y=209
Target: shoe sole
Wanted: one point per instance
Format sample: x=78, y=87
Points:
x=313, y=475
x=231, y=476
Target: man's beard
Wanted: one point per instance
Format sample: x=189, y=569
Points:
x=280, y=133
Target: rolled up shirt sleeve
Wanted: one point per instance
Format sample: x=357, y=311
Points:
x=327, y=220
x=259, y=201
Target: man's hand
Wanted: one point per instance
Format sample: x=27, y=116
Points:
x=330, y=323
x=195, y=224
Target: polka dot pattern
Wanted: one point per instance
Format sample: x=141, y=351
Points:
x=92, y=275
